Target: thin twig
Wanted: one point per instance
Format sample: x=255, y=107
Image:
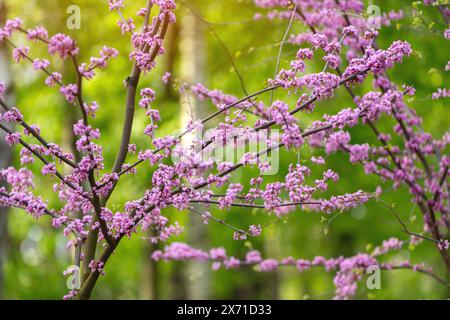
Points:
x=404, y=227
x=225, y=48
x=280, y=52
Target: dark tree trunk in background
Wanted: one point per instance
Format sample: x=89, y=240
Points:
x=150, y=275
x=178, y=286
x=172, y=41
x=272, y=248
x=5, y=151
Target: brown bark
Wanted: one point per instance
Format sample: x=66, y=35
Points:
x=5, y=150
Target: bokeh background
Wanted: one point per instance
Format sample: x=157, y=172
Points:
x=33, y=254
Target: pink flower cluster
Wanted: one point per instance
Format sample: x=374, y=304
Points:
x=62, y=45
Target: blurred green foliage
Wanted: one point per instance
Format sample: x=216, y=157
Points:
x=37, y=254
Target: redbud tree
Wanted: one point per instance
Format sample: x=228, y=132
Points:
x=340, y=36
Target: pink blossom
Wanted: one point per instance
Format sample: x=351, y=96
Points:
x=268, y=265
x=253, y=257
x=231, y=263
x=69, y=92
x=40, y=64
x=218, y=254
x=126, y=26
x=20, y=54
x=359, y=152
x=49, y=169
x=115, y=5
x=2, y=88
x=166, y=77
x=62, y=45
x=441, y=93
x=53, y=79
x=11, y=26
x=336, y=141
x=12, y=138
x=443, y=245
x=38, y=33
x=255, y=230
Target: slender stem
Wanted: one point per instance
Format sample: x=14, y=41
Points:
x=220, y=221
x=214, y=33
x=45, y=70
x=405, y=229
x=40, y=157
x=39, y=137
x=132, y=83
x=280, y=51
x=258, y=206
x=208, y=118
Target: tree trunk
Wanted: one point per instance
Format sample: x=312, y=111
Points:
x=150, y=287
x=5, y=150
x=192, y=51
x=172, y=40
